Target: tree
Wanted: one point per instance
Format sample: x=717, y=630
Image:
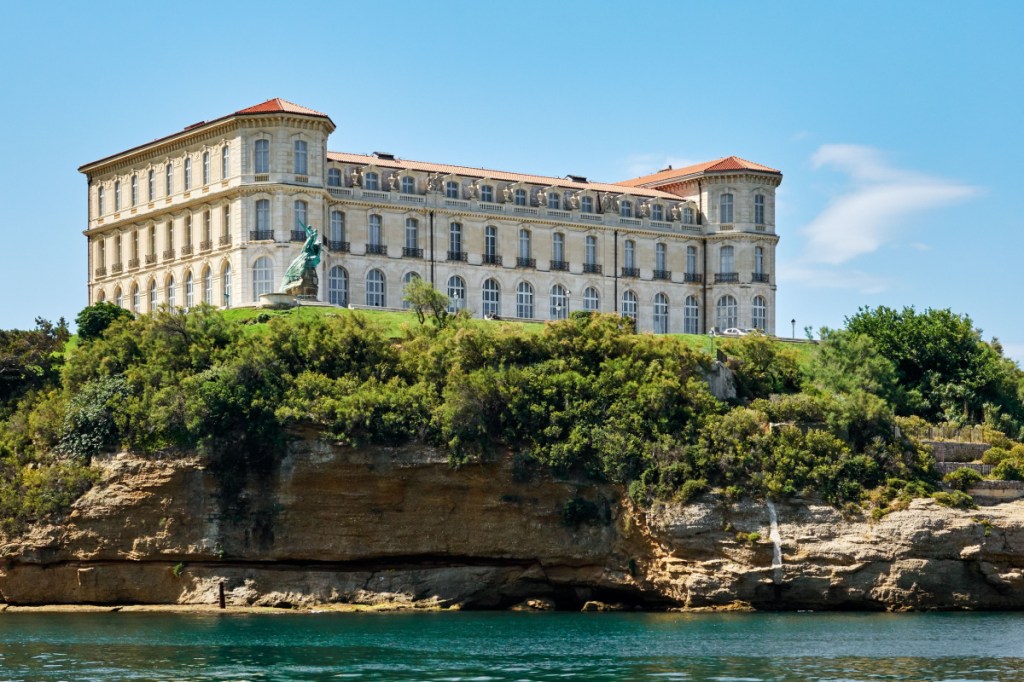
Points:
x=425, y=299
x=94, y=319
x=29, y=359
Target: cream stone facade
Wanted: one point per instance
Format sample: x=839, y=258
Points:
x=211, y=214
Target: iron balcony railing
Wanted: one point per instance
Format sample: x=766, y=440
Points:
x=412, y=252
x=727, y=277
x=377, y=249
x=662, y=274
x=334, y=245
x=761, y=277
x=630, y=272
x=562, y=265
x=458, y=256
x=592, y=268
x=694, y=277
x=261, y=235
x=526, y=262
x=492, y=259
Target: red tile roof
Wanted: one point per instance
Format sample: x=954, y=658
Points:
x=271, y=106
x=344, y=157
x=723, y=165
x=276, y=105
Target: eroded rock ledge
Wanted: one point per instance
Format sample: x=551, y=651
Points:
x=332, y=525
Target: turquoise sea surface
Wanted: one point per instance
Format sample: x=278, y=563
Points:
x=512, y=646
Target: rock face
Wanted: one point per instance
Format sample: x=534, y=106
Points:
x=401, y=527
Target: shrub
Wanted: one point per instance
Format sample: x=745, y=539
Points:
x=1010, y=469
x=93, y=320
x=956, y=500
x=995, y=455
x=962, y=478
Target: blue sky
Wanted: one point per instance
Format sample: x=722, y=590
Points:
x=897, y=125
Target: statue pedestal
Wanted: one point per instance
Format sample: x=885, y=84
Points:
x=278, y=301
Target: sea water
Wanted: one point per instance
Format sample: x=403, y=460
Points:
x=512, y=646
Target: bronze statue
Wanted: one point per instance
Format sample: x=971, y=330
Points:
x=300, y=278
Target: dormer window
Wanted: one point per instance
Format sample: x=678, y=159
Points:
x=553, y=200
x=689, y=215
x=657, y=212
x=520, y=197
x=371, y=181
x=487, y=193
x=626, y=209
x=725, y=208
x=334, y=177
x=451, y=189
x=586, y=204
x=759, y=209
x=408, y=184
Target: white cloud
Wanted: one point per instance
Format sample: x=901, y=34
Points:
x=638, y=165
x=831, y=278
x=868, y=215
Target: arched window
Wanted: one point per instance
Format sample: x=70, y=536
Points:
x=725, y=260
x=691, y=316
x=629, y=254
x=657, y=212
x=759, y=209
x=591, y=299
x=725, y=208
x=660, y=314
x=337, y=286
x=152, y=295
x=263, y=218
x=188, y=173
x=524, y=246
x=408, y=184
x=758, y=260
x=691, y=261
x=301, y=157
x=455, y=241
x=170, y=292
x=301, y=211
x=412, y=236
x=456, y=294
x=190, y=290
x=135, y=190
x=375, y=230
x=101, y=296
x=406, y=281
x=451, y=189
x=520, y=197
x=586, y=204
x=262, y=277
x=206, y=168
x=725, y=313
x=629, y=304
x=626, y=208
x=334, y=177
x=559, y=302
x=337, y=230
x=375, y=289
x=759, y=313
x=554, y=200
x=225, y=280
x=262, y=157
x=225, y=162
x=524, y=301
x=118, y=297
x=208, y=286
x=491, y=298
x=371, y=181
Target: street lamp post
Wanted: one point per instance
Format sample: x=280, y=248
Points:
x=793, y=322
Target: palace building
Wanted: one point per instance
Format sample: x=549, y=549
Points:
x=212, y=214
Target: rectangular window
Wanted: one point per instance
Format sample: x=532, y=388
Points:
x=375, y=233
x=168, y=179
x=490, y=241
x=225, y=162
x=301, y=158
x=149, y=184
x=759, y=209
x=206, y=168
x=725, y=208
x=591, y=250
x=135, y=190
x=412, y=233
x=451, y=190
x=558, y=247
x=487, y=194
x=587, y=204
x=520, y=197
x=630, y=254
x=261, y=160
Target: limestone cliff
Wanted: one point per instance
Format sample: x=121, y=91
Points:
x=400, y=526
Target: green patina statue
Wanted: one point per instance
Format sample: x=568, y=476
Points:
x=301, y=278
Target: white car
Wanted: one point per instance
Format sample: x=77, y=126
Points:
x=733, y=331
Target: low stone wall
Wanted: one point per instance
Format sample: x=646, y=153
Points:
x=952, y=451
x=947, y=467
x=992, y=492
